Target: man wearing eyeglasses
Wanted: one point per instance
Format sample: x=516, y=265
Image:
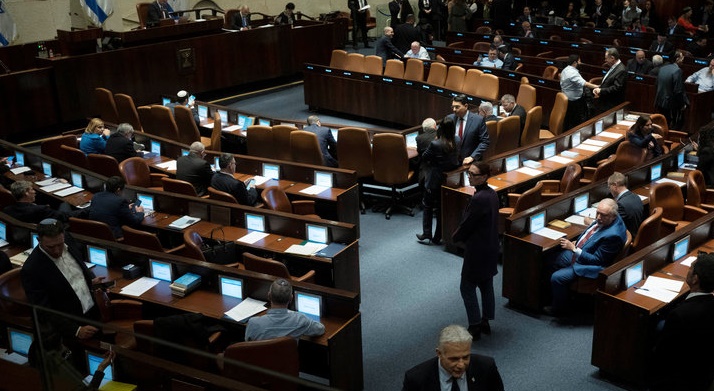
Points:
x=224, y=180
x=193, y=168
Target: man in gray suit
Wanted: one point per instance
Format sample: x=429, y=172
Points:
x=670, y=98
x=471, y=129
x=328, y=145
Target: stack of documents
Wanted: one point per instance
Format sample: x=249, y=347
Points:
x=184, y=222
x=247, y=308
x=185, y=284
x=549, y=233
x=662, y=289
x=309, y=248
x=314, y=189
x=580, y=217
x=138, y=287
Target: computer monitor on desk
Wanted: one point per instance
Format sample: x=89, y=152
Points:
x=224, y=116
x=680, y=248
x=147, y=202
x=308, y=304
x=76, y=178
x=19, y=341
x=323, y=178
x=317, y=233
x=656, y=172
x=47, y=168
x=599, y=125
x=411, y=139
x=549, y=150
x=230, y=286
x=93, y=361
x=155, y=148
x=581, y=202
x=165, y=101
x=634, y=274
x=271, y=171
x=575, y=139
x=254, y=222
x=202, y=112
x=537, y=222
x=511, y=163
x=19, y=159
x=97, y=255
x=161, y=270
x=266, y=122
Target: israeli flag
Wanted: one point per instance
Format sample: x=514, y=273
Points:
x=8, y=29
x=97, y=10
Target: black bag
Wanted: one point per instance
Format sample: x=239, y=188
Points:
x=219, y=251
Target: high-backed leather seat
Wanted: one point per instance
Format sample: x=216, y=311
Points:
x=602, y=171
x=483, y=30
x=164, y=123
x=218, y=195
x=338, y=60
x=142, y=11
x=394, y=68
x=91, y=228
x=531, y=129
x=414, y=70
x=103, y=165
x=549, y=72
x=52, y=146
x=304, y=148
x=178, y=186
x=193, y=244
x=276, y=199
x=274, y=268
x=437, y=74
x=675, y=214
x=260, y=141
x=13, y=312
x=143, y=239
x=355, y=62
x=228, y=17
x=373, y=65
x=628, y=156
x=127, y=111
x=277, y=355
x=471, y=81
x=488, y=87
x=216, y=133
x=481, y=46
x=136, y=173
x=74, y=156
x=106, y=107
x=649, y=231
x=355, y=152
x=557, y=117
x=281, y=141
x=492, y=128
x=6, y=197
x=526, y=96
x=187, y=129
x=509, y=134
x=455, y=78
x=569, y=182
x=147, y=123
x=390, y=163
x=697, y=193
x=518, y=203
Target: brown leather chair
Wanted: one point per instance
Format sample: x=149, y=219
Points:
x=178, y=186
x=147, y=123
x=164, y=123
x=524, y=80
x=218, y=195
x=91, y=228
x=281, y=141
x=526, y=96
x=216, y=133
x=260, y=141
x=675, y=214
x=275, y=355
x=439, y=58
x=14, y=312
x=390, y=163
x=550, y=71
x=146, y=240
x=373, y=65
x=355, y=62
x=52, y=146
x=105, y=106
x=557, y=117
x=187, y=129
x=531, y=129
x=193, y=244
x=697, y=193
x=339, y=59
x=228, y=18
x=274, y=268
x=670, y=136
x=74, y=156
x=492, y=128
x=546, y=54
x=276, y=199
x=649, y=231
x=304, y=148
x=519, y=67
x=516, y=51
x=142, y=11
x=118, y=317
x=136, y=173
x=126, y=109
x=456, y=45
x=602, y=171
x=518, y=203
x=414, y=70
x=509, y=134
x=394, y=68
x=437, y=74
x=488, y=87
x=103, y=165
x=471, y=80
x=483, y=30
x=569, y=182
x=455, y=78
x=628, y=156
x=6, y=197
x=355, y=152
x=481, y=46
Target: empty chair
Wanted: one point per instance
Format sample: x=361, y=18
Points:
x=218, y=195
x=509, y=134
x=281, y=141
x=193, y=247
x=526, y=96
x=414, y=70
x=142, y=11
x=458, y=44
x=276, y=355
x=147, y=123
x=390, y=163
x=163, y=122
x=557, y=117
x=437, y=74
x=546, y=54
x=569, y=182
x=103, y=165
x=373, y=65
x=628, y=156
x=74, y=156
x=394, y=68
x=187, y=129
x=178, y=186
x=471, y=80
x=216, y=133
x=91, y=228
x=519, y=202
x=675, y=214
x=455, y=78
x=697, y=193
x=549, y=72
x=483, y=30
x=482, y=46
x=339, y=59
x=136, y=172
x=524, y=80
x=276, y=199
x=14, y=312
x=146, y=240
x=355, y=152
x=649, y=231
x=531, y=130
x=53, y=146
x=440, y=58
x=488, y=87
x=492, y=127
x=355, y=62
x=603, y=170
x=260, y=141
x=126, y=109
x=304, y=148
x=106, y=106
x=274, y=268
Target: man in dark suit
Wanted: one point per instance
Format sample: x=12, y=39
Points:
x=600, y=12
x=385, y=48
x=241, y=20
x=509, y=62
x=454, y=367
x=629, y=204
x=110, y=207
x=328, y=145
x=359, y=21
x=594, y=250
x=612, y=88
x=640, y=64
x=661, y=44
x=25, y=208
x=670, y=97
x=681, y=360
x=405, y=34
x=428, y=127
x=194, y=169
x=120, y=145
x=159, y=9
x=225, y=181
x=478, y=230
x=471, y=129
x=511, y=108
x=485, y=109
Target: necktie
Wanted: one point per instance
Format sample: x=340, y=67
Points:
x=659, y=48
x=163, y=11
x=461, y=128
x=361, y=4
x=455, y=384
x=583, y=240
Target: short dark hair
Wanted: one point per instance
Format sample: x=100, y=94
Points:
x=114, y=183
x=50, y=228
x=224, y=160
x=503, y=49
x=461, y=98
x=281, y=292
x=573, y=58
x=704, y=269
x=290, y=6
x=484, y=168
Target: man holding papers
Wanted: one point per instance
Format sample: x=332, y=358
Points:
x=279, y=321
x=594, y=250
x=683, y=359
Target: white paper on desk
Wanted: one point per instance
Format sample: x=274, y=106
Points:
x=247, y=308
x=609, y=135
x=588, y=212
x=626, y=123
x=46, y=182
x=68, y=191
x=529, y=171
x=589, y=147
x=138, y=287
x=549, y=233
x=643, y=198
x=314, y=189
x=13, y=357
x=653, y=282
x=231, y=128
x=168, y=166
x=20, y=170
x=252, y=237
x=664, y=180
x=55, y=187
x=599, y=143
x=688, y=262
x=259, y=179
x=308, y=248
x=575, y=219
x=658, y=294
x=559, y=159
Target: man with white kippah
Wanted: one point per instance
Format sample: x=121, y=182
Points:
x=183, y=98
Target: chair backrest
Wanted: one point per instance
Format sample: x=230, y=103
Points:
x=482, y=46
x=192, y=245
x=414, y=70
x=667, y=196
x=373, y=65
x=103, y=165
x=437, y=74
x=91, y=228
x=6, y=197
x=628, y=156
x=519, y=67
x=492, y=127
x=526, y=96
x=11, y=287
x=216, y=133
x=178, y=186
x=488, y=87
x=281, y=140
x=394, y=68
x=696, y=188
x=136, y=172
x=355, y=62
x=147, y=123
x=304, y=148
x=528, y=199
x=557, y=115
x=457, y=44
x=549, y=72
x=276, y=199
x=163, y=122
x=142, y=11
x=264, y=265
x=440, y=58
x=649, y=231
x=455, y=78
x=571, y=178
x=604, y=169
x=661, y=120
x=483, y=30
x=531, y=129
x=187, y=129
x=625, y=248
x=339, y=59
x=524, y=80
x=354, y=150
x=509, y=134
x=218, y=195
x=127, y=111
x=260, y=141
x=546, y=54
x=74, y=156
x=471, y=80
x=389, y=159
x=52, y=146
x=228, y=17
x=277, y=355
x=516, y=51
x=142, y=239
x=105, y=104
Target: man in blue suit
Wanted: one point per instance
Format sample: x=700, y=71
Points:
x=593, y=251
x=471, y=128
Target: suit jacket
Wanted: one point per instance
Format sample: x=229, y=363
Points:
x=156, y=13
x=33, y=213
x=193, y=169
x=686, y=332
x=114, y=210
x=482, y=375
x=478, y=230
x=386, y=49
x=635, y=67
x=612, y=89
x=666, y=47
x=404, y=35
x=119, y=147
x=236, y=188
x=438, y=160
x=599, y=251
x=670, y=93
x=327, y=142
x=475, y=139
x=423, y=141
x=237, y=23
x=629, y=207
x=509, y=62
x=521, y=113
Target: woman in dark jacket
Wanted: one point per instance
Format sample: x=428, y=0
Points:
x=440, y=156
x=641, y=134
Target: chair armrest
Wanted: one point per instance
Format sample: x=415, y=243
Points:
x=549, y=196
x=707, y=207
x=692, y=213
x=588, y=173
x=505, y=212
x=512, y=199
x=708, y=196
x=236, y=265
x=304, y=207
x=307, y=277
x=156, y=179
x=676, y=135
x=176, y=249
x=550, y=186
x=668, y=225
x=125, y=309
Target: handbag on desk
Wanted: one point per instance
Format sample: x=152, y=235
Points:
x=219, y=251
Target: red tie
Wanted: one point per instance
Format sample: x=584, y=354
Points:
x=584, y=239
x=461, y=128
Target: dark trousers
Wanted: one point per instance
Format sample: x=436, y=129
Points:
x=359, y=22
x=431, y=200
x=576, y=114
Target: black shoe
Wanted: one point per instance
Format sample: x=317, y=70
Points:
x=475, y=331
x=423, y=239
x=436, y=241
x=485, y=327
